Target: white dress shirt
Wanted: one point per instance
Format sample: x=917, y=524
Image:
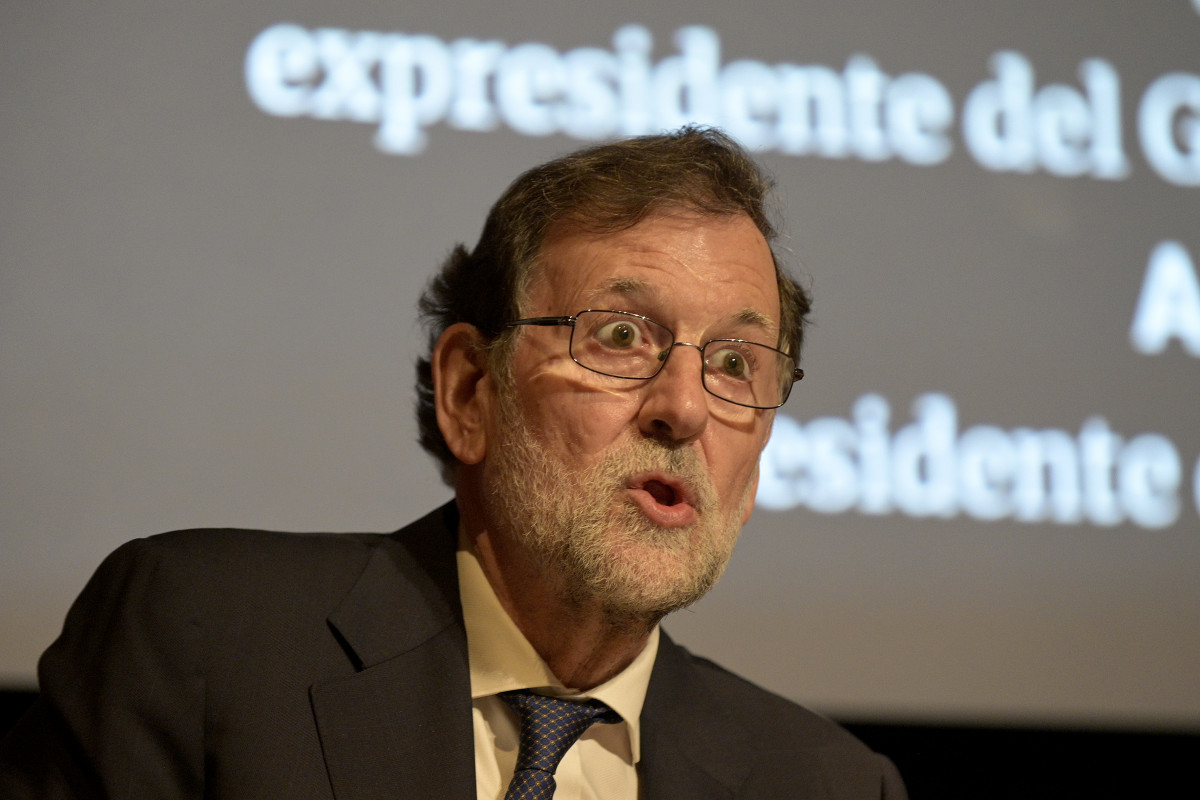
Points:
x=602, y=765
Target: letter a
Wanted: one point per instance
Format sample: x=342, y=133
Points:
x=1169, y=305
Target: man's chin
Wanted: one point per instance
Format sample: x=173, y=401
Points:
x=652, y=573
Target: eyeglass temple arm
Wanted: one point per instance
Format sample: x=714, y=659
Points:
x=543, y=321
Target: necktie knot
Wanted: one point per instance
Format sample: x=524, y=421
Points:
x=549, y=726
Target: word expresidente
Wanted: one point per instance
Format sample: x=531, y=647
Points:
x=406, y=83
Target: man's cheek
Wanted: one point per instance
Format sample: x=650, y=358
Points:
x=751, y=492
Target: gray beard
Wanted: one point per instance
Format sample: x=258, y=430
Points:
x=591, y=542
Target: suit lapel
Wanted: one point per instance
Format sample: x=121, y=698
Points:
x=690, y=746
x=401, y=725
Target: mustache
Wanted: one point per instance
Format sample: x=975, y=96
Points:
x=632, y=456
x=681, y=463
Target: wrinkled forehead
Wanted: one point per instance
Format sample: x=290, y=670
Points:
x=722, y=263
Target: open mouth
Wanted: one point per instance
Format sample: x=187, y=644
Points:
x=663, y=493
x=663, y=500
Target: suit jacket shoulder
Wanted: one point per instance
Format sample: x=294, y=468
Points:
x=224, y=663
x=710, y=733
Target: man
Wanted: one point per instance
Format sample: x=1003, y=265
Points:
x=602, y=376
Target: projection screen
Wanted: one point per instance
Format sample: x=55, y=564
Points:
x=980, y=505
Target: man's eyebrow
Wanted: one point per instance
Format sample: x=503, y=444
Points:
x=635, y=287
x=751, y=316
x=622, y=286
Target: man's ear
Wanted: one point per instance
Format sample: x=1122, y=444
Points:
x=462, y=391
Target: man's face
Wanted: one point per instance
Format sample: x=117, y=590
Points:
x=631, y=491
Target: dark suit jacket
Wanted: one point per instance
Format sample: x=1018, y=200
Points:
x=246, y=664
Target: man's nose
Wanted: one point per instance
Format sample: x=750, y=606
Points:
x=675, y=405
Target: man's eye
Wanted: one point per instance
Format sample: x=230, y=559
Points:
x=732, y=364
x=619, y=334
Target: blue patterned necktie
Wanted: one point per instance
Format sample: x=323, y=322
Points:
x=549, y=726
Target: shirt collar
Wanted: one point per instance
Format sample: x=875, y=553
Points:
x=502, y=659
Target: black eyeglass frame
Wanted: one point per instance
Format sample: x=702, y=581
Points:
x=571, y=319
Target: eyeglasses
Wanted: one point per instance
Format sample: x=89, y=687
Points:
x=624, y=345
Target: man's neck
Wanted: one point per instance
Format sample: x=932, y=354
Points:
x=581, y=642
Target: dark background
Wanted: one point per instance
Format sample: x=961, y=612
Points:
x=958, y=762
